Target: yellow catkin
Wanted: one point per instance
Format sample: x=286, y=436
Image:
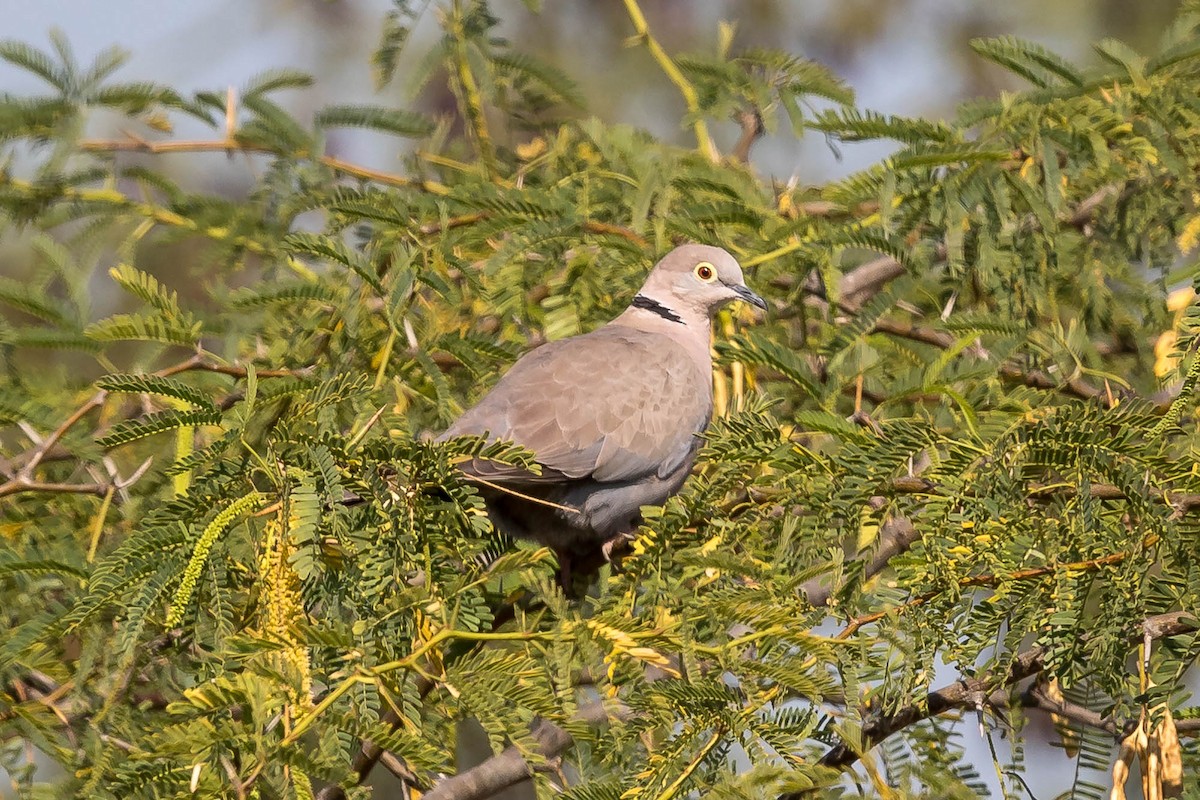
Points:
x=281, y=605
x=204, y=545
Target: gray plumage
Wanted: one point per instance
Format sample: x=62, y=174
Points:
x=612, y=416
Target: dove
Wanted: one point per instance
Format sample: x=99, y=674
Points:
x=613, y=417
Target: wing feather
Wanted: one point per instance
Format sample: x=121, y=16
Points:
x=613, y=405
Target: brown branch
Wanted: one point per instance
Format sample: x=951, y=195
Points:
x=752, y=130
x=971, y=581
x=1037, y=697
x=18, y=485
x=896, y=536
x=590, y=226
x=24, y=465
x=866, y=280
x=233, y=144
x=601, y=228
x=1181, y=502
x=970, y=692
x=1008, y=372
x=39, y=452
x=510, y=767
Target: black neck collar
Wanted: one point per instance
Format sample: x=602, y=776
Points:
x=655, y=307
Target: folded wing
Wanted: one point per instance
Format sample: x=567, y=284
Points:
x=614, y=405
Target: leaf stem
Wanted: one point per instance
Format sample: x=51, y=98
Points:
x=690, y=97
x=472, y=101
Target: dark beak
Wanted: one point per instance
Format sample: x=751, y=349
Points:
x=750, y=297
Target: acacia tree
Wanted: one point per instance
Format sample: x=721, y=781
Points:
x=963, y=436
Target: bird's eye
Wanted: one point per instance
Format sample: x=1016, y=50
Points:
x=705, y=272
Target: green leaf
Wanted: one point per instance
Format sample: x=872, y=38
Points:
x=551, y=79
x=274, y=80
x=288, y=293
x=39, y=568
x=332, y=249
x=152, y=384
x=388, y=120
x=135, y=98
x=21, y=297
x=133, y=429
x=757, y=349
x=135, y=327
x=48, y=338
x=1027, y=59
x=33, y=60
x=147, y=288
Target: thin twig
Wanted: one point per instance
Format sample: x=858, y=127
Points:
x=970, y=581
x=228, y=145
x=963, y=692
x=510, y=767
x=690, y=97
x=752, y=130
x=23, y=480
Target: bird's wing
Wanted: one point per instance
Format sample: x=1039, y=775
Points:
x=613, y=405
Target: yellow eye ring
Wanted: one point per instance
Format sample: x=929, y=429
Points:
x=705, y=272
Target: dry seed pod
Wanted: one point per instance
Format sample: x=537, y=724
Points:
x=1062, y=725
x=1120, y=770
x=1151, y=775
x=1171, y=756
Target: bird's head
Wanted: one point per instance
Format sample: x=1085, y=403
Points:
x=697, y=279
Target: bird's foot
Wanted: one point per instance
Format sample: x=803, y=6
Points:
x=617, y=542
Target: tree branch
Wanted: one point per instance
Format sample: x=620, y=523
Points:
x=752, y=130
x=1181, y=502
x=969, y=692
x=690, y=97
x=1008, y=372
x=896, y=536
x=232, y=144
x=510, y=767
x=1036, y=697
x=22, y=467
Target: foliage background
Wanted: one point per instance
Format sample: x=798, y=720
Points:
x=454, y=275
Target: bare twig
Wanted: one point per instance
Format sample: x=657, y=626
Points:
x=896, y=536
x=1036, y=696
x=233, y=144
x=1181, y=502
x=752, y=130
x=510, y=767
x=965, y=692
x=35, y=457
x=23, y=466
